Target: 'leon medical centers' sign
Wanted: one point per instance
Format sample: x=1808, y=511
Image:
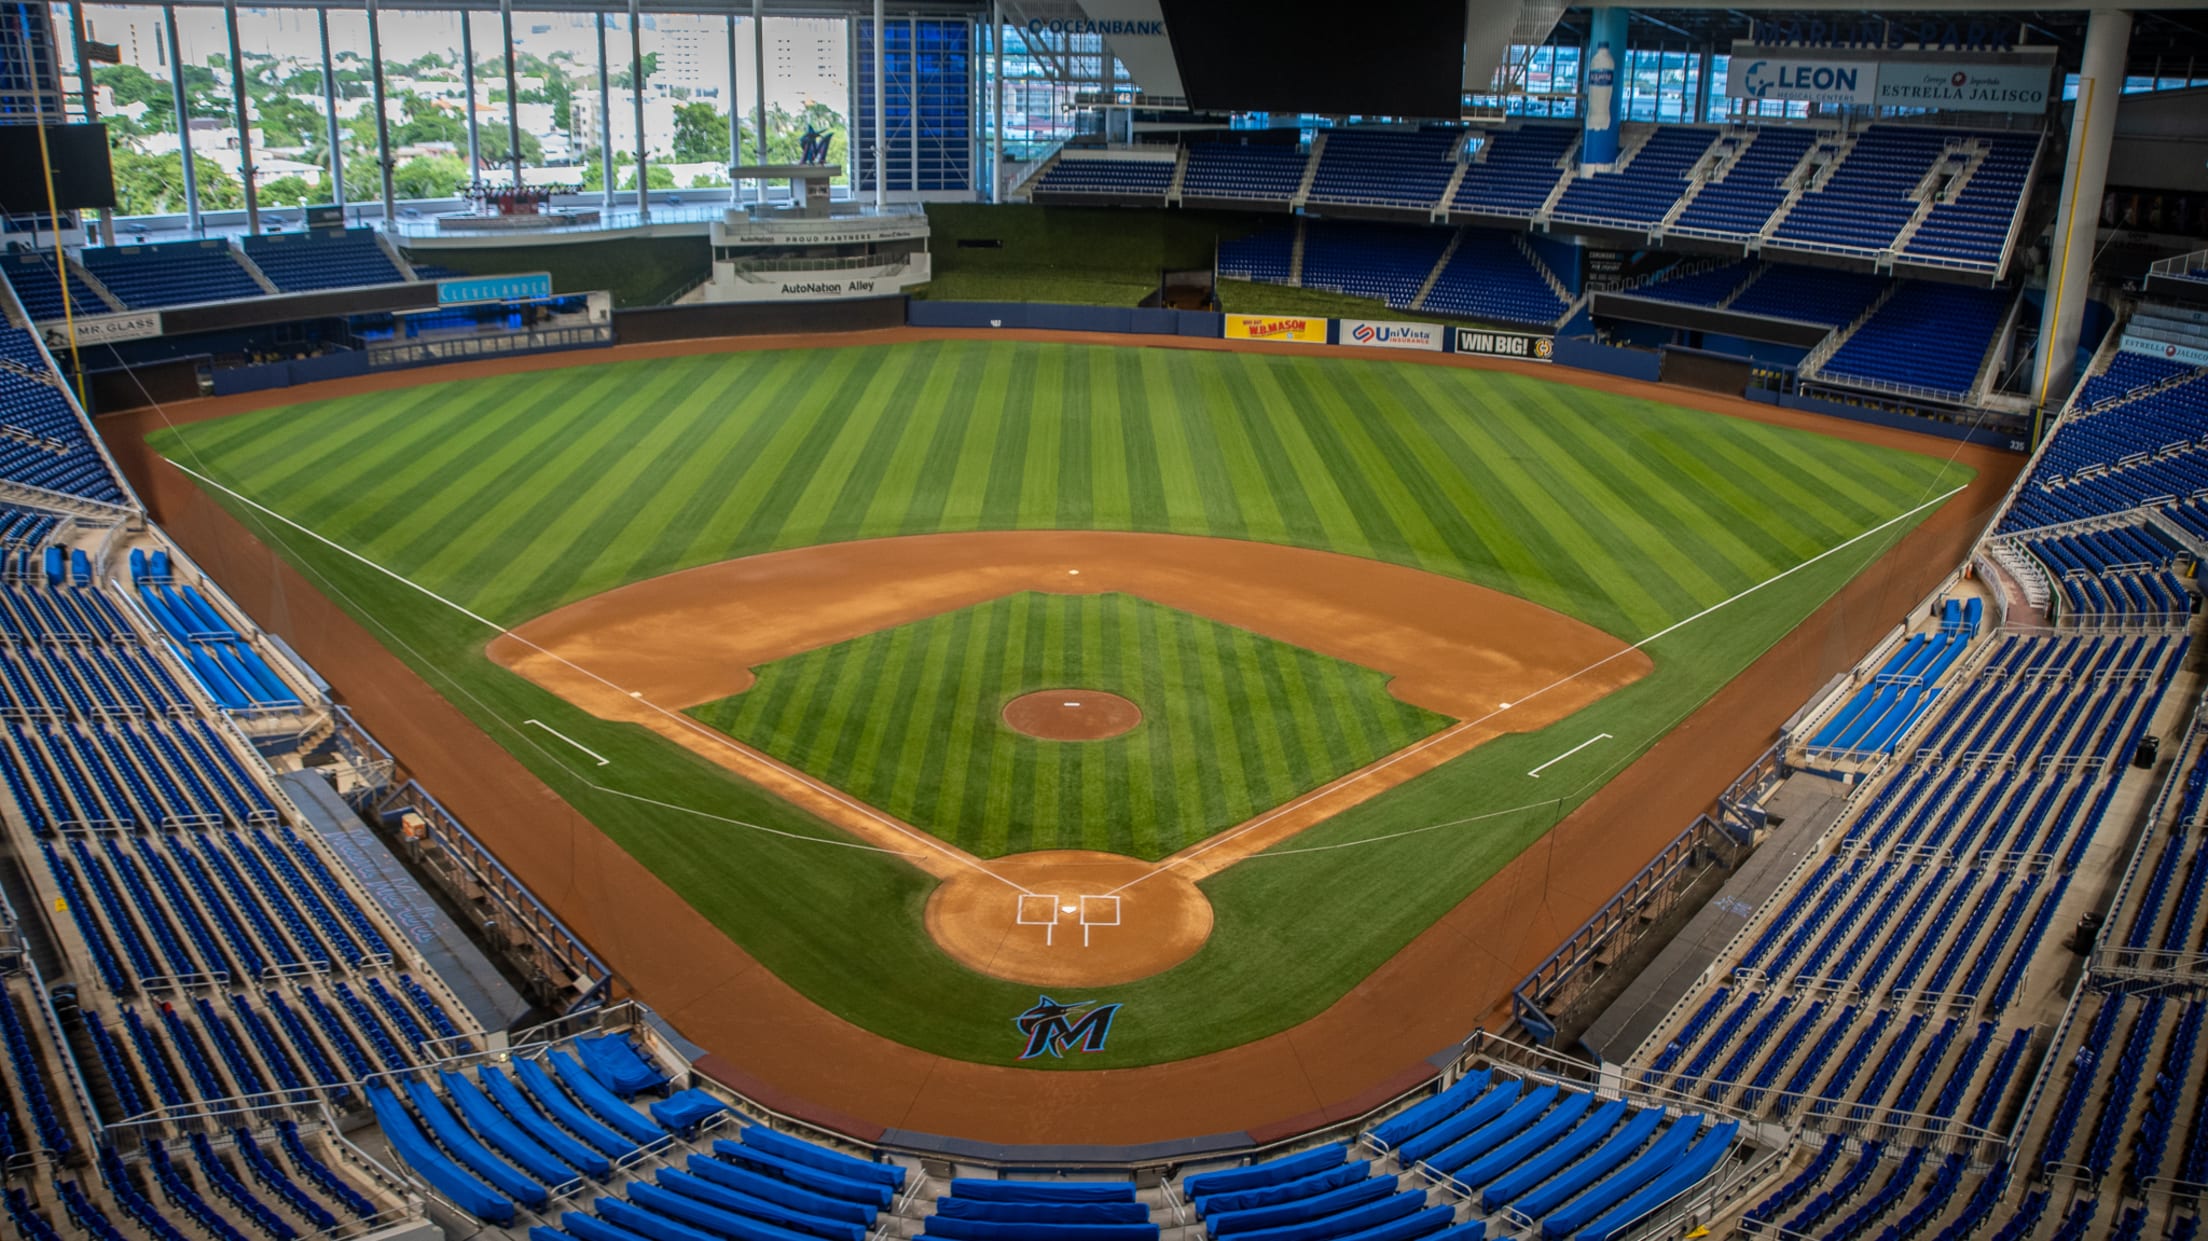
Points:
x=2017, y=82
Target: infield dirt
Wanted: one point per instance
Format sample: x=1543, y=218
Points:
x=645, y=652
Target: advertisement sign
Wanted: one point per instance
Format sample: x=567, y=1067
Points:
x=1276, y=327
x=1380, y=334
x=1134, y=31
x=1955, y=87
x=1754, y=74
x=105, y=329
x=2190, y=355
x=493, y=289
x=1505, y=344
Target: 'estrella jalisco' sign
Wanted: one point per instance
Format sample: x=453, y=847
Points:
x=1055, y=1028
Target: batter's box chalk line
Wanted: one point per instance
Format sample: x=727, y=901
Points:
x=1047, y=910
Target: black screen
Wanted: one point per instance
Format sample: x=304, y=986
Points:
x=78, y=156
x=1404, y=58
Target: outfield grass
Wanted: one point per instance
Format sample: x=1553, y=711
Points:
x=909, y=720
x=517, y=494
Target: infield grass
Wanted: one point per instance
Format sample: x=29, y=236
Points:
x=516, y=494
x=1234, y=723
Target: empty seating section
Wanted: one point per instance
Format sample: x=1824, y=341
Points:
x=2128, y=375
x=32, y=274
x=2119, y=575
x=226, y=966
x=1971, y=225
x=1250, y=172
x=323, y=259
x=1645, y=189
x=1881, y=712
x=772, y=1186
x=1134, y=180
x=1739, y=203
x=1879, y=981
x=1374, y=168
x=1515, y=170
x=1866, y=201
x=1521, y=1154
x=1371, y=260
x=174, y=274
x=1491, y=278
x=43, y=443
x=1810, y=294
x=1930, y=337
x=1710, y=286
x=1267, y=254
x=2142, y=442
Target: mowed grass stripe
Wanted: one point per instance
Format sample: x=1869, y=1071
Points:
x=752, y=508
x=418, y=543
x=1600, y=486
x=483, y=538
x=326, y=494
x=670, y=484
x=902, y=479
x=592, y=516
x=1676, y=520
x=829, y=507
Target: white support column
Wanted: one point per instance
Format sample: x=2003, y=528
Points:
x=881, y=113
x=183, y=120
x=605, y=119
x=237, y=108
x=736, y=115
x=636, y=95
x=2078, y=212
x=329, y=112
x=383, y=118
x=513, y=89
x=996, y=109
x=467, y=84
x=759, y=82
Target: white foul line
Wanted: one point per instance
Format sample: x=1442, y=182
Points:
x=1536, y=772
x=602, y=759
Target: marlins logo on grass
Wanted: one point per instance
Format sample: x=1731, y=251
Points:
x=1052, y=1027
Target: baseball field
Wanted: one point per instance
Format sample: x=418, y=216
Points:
x=762, y=617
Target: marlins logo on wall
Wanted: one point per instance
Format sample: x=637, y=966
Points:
x=1054, y=1027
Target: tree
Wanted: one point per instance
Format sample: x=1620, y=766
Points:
x=495, y=152
x=286, y=122
x=430, y=176
x=426, y=121
x=291, y=192
x=651, y=66
x=154, y=184
x=701, y=134
x=656, y=176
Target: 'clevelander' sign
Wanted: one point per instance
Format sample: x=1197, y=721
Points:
x=1505, y=344
x=1276, y=327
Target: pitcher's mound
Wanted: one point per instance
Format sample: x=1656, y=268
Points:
x=1071, y=715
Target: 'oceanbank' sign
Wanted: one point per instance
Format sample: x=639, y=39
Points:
x=1955, y=87
x=1795, y=80
x=1109, y=29
x=1380, y=334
